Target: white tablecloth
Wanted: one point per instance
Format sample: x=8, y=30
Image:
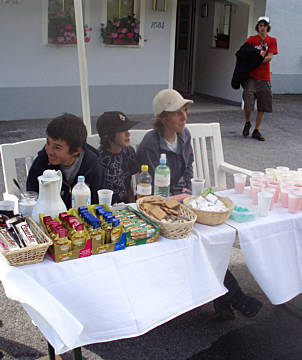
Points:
x=272, y=249
x=121, y=294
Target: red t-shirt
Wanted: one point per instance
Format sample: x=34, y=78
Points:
x=263, y=72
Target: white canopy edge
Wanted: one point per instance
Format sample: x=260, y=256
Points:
x=82, y=64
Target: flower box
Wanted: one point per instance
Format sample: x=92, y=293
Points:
x=121, y=31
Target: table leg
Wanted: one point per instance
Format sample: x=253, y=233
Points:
x=77, y=354
x=51, y=352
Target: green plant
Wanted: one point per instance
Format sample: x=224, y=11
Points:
x=125, y=28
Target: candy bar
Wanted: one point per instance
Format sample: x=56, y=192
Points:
x=7, y=242
x=25, y=232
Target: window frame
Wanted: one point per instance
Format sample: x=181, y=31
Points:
x=139, y=7
x=45, y=3
x=219, y=23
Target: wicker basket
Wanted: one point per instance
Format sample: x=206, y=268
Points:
x=31, y=254
x=212, y=217
x=172, y=230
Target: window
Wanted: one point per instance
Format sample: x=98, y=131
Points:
x=222, y=24
x=119, y=8
x=122, y=25
x=61, y=28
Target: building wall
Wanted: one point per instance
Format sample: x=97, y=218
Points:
x=38, y=80
x=286, y=67
x=214, y=67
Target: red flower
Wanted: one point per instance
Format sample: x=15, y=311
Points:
x=119, y=30
x=68, y=27
x=87, y=39
x=130, y=35
x=121, y=36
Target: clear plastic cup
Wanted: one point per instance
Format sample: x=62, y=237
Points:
x=27, y=202
x=264, y=202
x=257, y=174
x=273, y=192
x=270, y=172
x=105, y=197
x=282, y=169
x=7, y=205
x=275, y=185
x=239, y=183
x=284, y=189
x=197, y=186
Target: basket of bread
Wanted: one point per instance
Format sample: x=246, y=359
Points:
x=175, y=220
x=210, y=209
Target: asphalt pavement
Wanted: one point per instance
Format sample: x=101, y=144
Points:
x=274, y=334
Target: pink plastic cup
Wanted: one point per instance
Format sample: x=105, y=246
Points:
x=284, y=198
x=275, y=185
x=239, y=183
x=293, y=202
x=255, y=189
x=273, y=191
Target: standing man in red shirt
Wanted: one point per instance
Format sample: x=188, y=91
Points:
x=258, y=86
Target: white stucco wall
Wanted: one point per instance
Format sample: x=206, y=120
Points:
x=286, y=21
x=27, y=62
x=38, y=80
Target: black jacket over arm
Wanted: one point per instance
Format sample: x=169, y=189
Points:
x=248, y=58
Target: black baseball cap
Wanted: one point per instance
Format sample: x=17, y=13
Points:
x=113, y=121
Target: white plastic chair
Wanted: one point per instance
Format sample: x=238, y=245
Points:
x=24, y=152
x=210, y=165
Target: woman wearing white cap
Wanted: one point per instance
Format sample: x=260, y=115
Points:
x=170, y=136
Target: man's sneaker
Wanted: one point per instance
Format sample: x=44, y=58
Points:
x=257, y=135
x=246, y=130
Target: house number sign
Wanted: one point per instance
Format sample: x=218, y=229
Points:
x=157, y=25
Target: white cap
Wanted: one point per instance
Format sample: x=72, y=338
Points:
x=263, y=18
x=168, y=100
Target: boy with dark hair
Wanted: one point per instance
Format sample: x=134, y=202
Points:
x=258, y=85
x=66, y=150
x=118, y=158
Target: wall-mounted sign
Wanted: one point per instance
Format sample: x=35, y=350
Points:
x=157, y=25
x=160, y=5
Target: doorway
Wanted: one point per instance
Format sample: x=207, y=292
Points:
x=184, y=46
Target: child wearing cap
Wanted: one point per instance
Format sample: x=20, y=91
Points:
x=117, y=156
x=170, y=136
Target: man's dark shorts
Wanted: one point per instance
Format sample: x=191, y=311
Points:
x=260, y=90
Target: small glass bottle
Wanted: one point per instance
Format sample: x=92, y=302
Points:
x=144, y=183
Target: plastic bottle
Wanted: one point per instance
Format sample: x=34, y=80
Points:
x=144, y=183
x=162, y=178
x=81, y=194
